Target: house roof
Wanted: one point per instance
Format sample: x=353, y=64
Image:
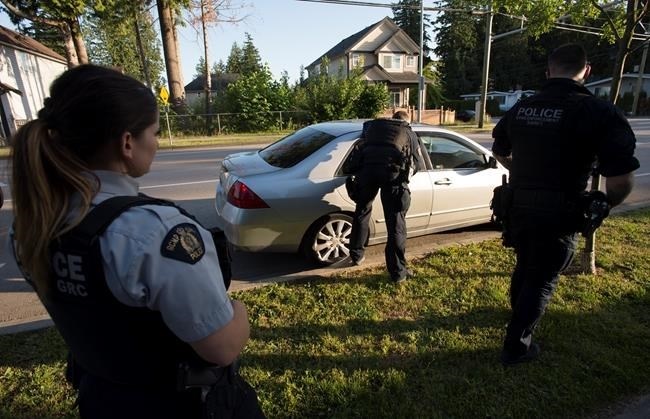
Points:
x=401, y=38
x=24, y=43
x=4, y=88
x=345, y=45
x=407, y=77
x=219, y=82
x=608, y=80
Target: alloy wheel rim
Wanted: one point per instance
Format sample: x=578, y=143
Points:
x=332, y=241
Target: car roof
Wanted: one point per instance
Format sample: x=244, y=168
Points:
x=338, y=128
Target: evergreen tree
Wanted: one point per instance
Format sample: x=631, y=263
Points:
x=219, y=67
x=233, y=63
x=112, y=40
x=199, y=69
x=458, y=47
x=250, y=57
x=45, y=34
x=406, y=14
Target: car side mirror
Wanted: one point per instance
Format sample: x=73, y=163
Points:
x=492, y=163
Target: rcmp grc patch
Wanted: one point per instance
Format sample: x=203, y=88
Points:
x=184, y=243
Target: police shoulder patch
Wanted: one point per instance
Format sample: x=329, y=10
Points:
x=183, y=243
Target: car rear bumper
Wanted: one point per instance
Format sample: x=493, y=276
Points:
x=259, y=230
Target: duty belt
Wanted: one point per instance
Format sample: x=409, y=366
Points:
x=542, y=199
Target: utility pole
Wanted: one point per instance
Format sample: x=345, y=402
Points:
x=421, y=76
x=486, y=65
x=639, y=80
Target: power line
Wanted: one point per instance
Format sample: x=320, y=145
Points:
x=392, y=5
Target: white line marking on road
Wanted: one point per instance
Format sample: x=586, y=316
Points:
x=642, y=174
x=168, y=185
x=2, y=264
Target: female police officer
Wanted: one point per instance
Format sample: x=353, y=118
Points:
x=145, y=296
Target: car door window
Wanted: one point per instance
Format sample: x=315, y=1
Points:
x=446, y=153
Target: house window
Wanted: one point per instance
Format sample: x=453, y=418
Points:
x=410, y=61
x=393, y=62
x=356, y=60
x=395, y=96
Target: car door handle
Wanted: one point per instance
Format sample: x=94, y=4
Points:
x=445, y=181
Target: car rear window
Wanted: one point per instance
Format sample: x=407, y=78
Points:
x=295, y=147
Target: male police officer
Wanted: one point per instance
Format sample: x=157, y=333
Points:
x=378, y=166
x=549, y=142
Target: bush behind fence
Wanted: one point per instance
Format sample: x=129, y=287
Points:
x=231, y=123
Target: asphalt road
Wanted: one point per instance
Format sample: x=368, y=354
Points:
x=188, y=178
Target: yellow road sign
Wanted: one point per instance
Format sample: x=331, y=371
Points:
x=164, y=95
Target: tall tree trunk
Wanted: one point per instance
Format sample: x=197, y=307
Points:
x=208, y=76
x=138, y=40
x=617, y=75
x=623, y=45
x=79, y=44
x=68, y=43
x=206, y=70
x=170, y=50
x=178, y=49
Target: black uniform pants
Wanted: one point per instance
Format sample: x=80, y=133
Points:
x=544, y=245
x=395, y=200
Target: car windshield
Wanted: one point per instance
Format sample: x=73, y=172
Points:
x=295, y=147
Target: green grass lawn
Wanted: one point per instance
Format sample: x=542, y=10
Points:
x=357, y=346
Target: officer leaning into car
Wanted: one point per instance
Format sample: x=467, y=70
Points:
x=549, y=142
x=395, y=198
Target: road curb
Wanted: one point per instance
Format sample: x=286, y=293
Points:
x=35, y=323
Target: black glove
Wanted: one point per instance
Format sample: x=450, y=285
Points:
x=595, y=210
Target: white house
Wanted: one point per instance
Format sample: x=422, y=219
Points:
x=628, y=84
x=506, y=99
x=27, y=68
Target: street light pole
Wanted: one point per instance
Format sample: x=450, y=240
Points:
x=486, y=65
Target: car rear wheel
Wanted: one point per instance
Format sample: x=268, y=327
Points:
x=328, y=239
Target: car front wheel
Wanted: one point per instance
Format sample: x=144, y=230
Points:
x=328, y=240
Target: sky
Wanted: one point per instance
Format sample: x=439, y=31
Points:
x=287, y=33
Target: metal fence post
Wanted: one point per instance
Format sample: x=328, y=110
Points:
x=169, y=130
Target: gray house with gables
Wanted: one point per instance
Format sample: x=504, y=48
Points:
x=382, y=52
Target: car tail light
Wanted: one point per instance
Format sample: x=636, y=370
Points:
x=242, y=196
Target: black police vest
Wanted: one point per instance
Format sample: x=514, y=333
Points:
x=121, y=344
x=547, y=151
x=387, y=149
